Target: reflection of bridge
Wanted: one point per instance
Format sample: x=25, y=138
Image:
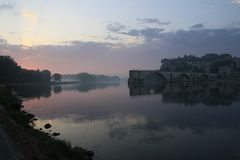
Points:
x=148, y=76
x=189, y=93
x=188, y=76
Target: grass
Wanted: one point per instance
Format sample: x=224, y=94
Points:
x=60, y=149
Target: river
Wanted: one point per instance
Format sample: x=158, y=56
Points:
x=118, y=122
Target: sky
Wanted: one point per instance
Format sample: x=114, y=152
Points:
x=111, y=36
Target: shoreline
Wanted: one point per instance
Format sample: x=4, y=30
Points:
x=17, y=126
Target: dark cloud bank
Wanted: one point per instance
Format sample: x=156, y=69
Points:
x=112, y=58
x=197, y=26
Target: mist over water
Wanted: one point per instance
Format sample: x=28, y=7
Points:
x=117, y=121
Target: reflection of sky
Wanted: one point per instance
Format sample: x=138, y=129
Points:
x=117, y=126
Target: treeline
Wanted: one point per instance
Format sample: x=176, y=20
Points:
x=208, y=63
x=10, y=72
x=86, y=77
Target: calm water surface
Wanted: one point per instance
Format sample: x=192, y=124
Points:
x=172, y=122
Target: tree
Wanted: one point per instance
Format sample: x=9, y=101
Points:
x=57, y=77
x=10, y=72
x=45, y=75
x=86, y=77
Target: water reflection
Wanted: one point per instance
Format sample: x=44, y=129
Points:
x=106, y=119
x=33, y=91
x=30, y=91
x=57, y=89
x=86, y=87
x=211, y=94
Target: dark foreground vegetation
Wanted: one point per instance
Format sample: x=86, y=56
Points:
x=30, y=143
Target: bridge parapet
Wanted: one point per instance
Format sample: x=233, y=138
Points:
x=143, y=76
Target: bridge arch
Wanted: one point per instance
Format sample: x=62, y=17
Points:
x=183, y=77
x=164, y=78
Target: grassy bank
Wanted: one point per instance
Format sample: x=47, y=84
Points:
x=29, y=142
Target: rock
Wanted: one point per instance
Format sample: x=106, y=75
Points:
x=47, y=126
x=90, y=153
x=55, y=134
x=30, y=116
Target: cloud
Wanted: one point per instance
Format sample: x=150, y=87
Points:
x=17, y=13
x=4, y=6
x=236, y=1
x=11, y=32
x=91, y=44
x=147, y=33
x=116, y=27
x=112, y=38
x=219, y=40
x=30, y=16
x=106, y=58
x=197, y=26
x=152, y=21
x=3, y=42
x=235, y=24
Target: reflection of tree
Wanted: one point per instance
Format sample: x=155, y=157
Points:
x=211, y=94
x=44, y=90
x=57, y=89
x=85, y=87
x=33, y=91
x=57, y=77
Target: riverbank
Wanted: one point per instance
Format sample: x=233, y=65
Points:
x=26, y=143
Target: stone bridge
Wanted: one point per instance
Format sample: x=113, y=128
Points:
x=152, y=76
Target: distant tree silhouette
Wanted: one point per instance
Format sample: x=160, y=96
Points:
x=10, y=72
x=57, y=77
x=86, y=77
